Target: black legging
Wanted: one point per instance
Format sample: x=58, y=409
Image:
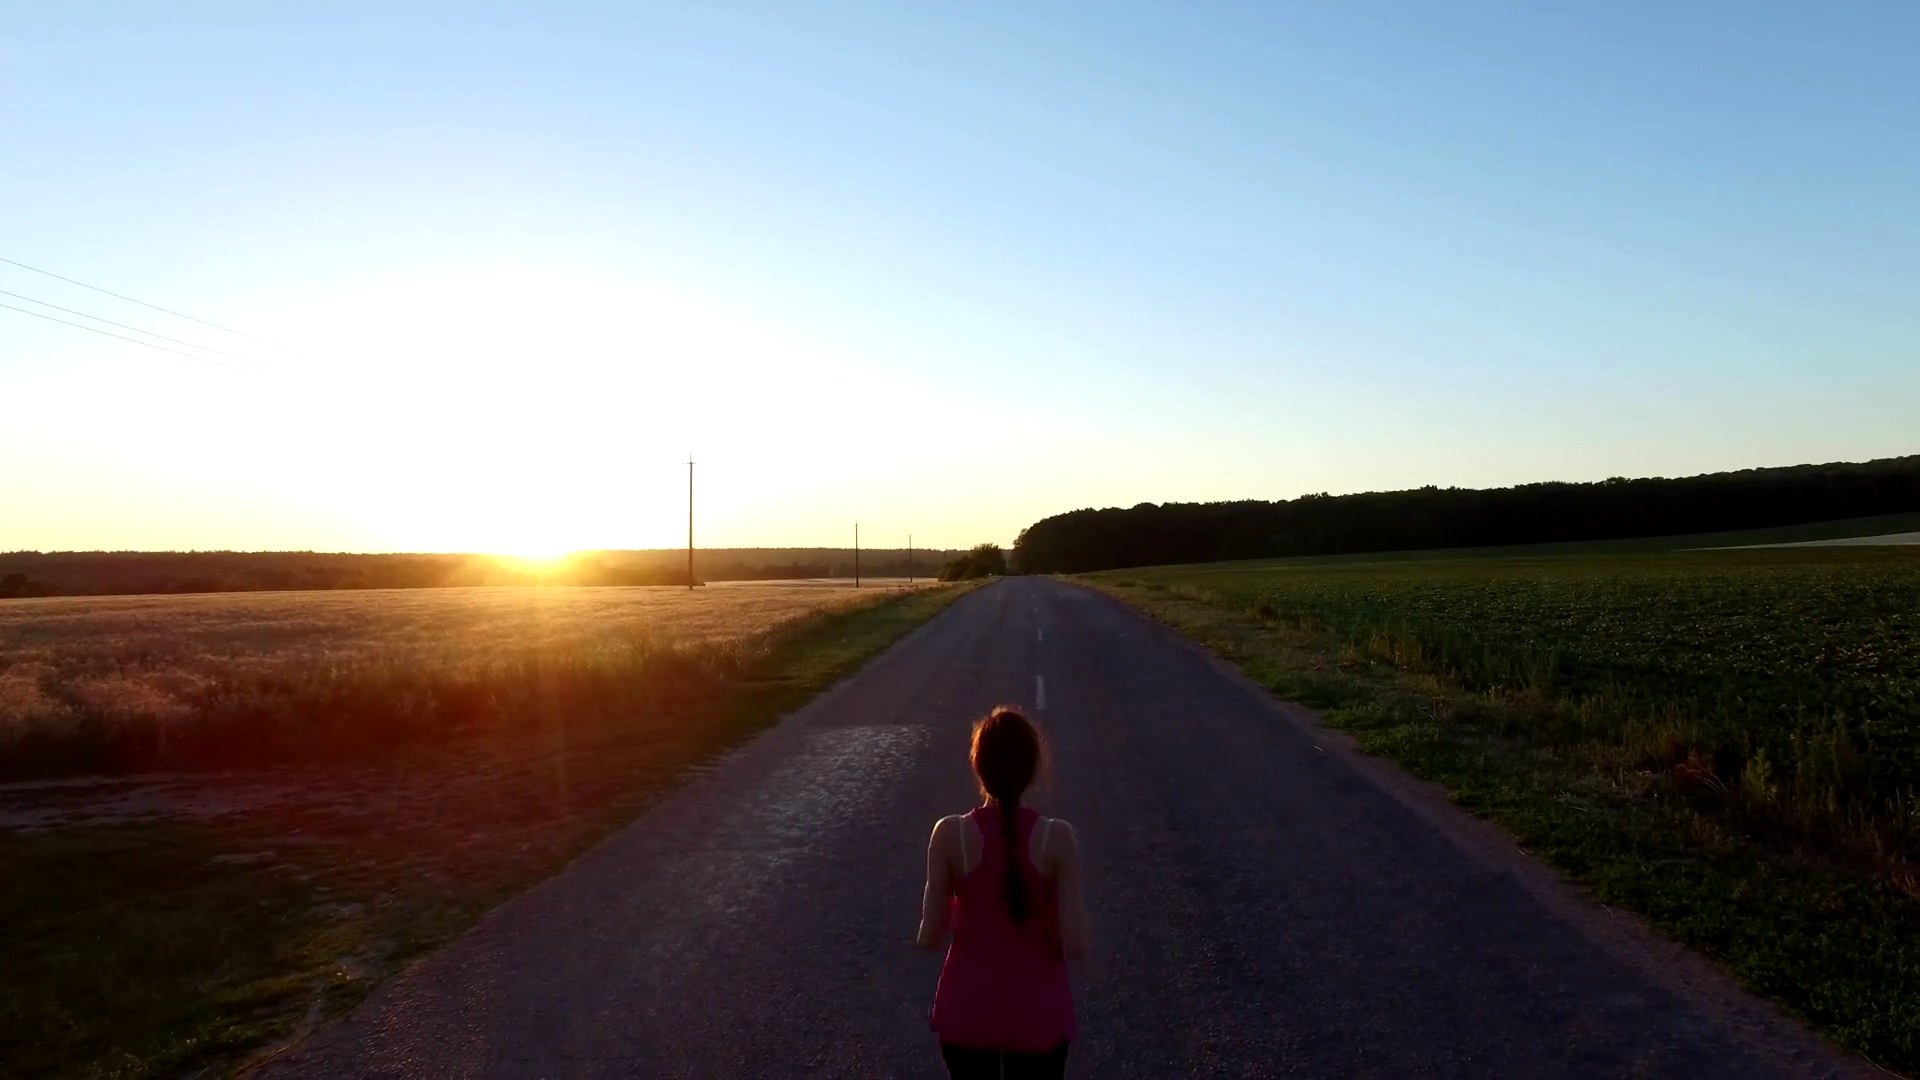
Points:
x=964, y=1063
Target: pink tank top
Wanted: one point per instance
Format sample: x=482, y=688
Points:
x=1004, y=987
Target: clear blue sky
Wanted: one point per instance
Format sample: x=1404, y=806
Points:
x=945, y=268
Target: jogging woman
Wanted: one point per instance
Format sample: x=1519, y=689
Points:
x=1006, y=882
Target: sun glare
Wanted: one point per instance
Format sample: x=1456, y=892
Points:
x=537, y=557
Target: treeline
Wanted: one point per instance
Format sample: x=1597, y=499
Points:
x=984, y=560
x=1432, y=517
x=110, y=573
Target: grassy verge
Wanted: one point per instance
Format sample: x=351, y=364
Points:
x=1683, y=735
x=141, y=950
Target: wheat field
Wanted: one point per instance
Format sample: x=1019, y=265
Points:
x=111, y=682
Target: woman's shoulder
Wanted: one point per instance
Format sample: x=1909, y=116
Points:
x=1054, y=844
x=950, y=830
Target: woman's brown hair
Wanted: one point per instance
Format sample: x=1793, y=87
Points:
x=1007, y=754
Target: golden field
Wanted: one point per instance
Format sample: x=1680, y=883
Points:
x=115, y=683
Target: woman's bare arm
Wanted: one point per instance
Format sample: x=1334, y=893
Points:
x=936, y=909
x=1075, y=936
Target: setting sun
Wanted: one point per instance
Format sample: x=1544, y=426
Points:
x=535, y=556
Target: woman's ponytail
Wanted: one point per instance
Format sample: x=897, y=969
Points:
x=1006, y=756
x=1015, y=889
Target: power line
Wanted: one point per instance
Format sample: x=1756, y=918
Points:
x=111, y=334
x=131, y=300
x=135, y=329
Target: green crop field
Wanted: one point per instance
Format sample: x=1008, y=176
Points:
x=1728, y=741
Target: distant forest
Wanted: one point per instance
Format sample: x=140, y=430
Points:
x=1432, y=517
x=100, y=573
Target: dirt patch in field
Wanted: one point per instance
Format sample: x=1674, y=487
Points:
x=426, y=810
x=180, y=798
x=29, y=808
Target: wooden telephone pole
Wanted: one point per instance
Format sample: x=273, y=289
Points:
x=689, y=522
x=856, y=554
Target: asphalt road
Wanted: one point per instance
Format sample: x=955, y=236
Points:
x=1264, y=901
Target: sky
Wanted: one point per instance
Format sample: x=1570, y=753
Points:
x=940, y=268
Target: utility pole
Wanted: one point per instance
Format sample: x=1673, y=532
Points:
x=856, y=554
x=689, y=522
x=909, y=558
